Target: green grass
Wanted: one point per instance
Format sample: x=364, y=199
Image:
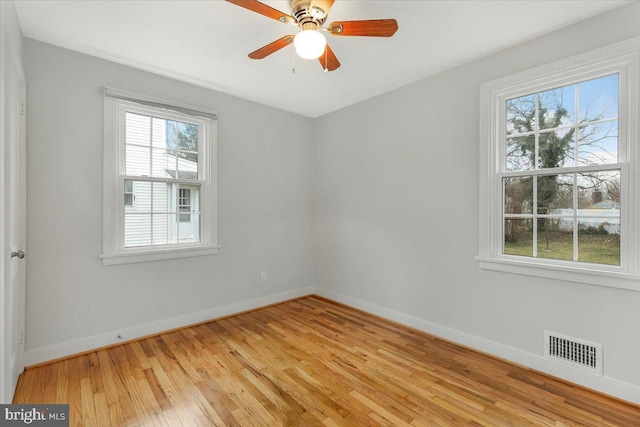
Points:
x=594, y=248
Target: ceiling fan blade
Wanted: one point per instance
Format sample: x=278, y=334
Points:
x=328, y=59
x=325, y=5
x=263, y=9
x=275, y=46
x=370, y=28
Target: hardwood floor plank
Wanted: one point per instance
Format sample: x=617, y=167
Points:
x=103, y=415
x=309, y=362
x=74, y=394
x=88, y=407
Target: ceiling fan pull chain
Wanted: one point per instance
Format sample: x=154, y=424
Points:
x=293, y=61
x=326, y=63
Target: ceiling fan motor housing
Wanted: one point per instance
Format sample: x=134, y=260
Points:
x=306, y=16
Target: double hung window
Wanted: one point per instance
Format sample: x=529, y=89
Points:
x=167, y=154
x=559, y=161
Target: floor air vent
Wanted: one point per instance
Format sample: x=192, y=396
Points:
x=573, y=352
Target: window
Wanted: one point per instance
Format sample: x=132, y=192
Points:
x=167, y=154
x=558, y=170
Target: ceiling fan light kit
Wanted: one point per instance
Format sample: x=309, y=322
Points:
x=310, y=42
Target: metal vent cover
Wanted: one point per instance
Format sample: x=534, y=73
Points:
x=573, y=352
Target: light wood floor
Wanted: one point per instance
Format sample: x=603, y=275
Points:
x=304, y=363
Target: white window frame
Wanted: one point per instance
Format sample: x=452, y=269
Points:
x=621, y=58
x=116, y=104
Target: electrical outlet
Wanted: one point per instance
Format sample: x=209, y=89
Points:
x=21, y=337
x=263, y=276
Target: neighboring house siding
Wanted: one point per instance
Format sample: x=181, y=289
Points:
x=609, y=219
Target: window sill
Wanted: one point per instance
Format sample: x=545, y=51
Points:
x=589, y=274
x=157, y=254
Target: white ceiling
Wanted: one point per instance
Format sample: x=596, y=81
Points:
x=207, y=42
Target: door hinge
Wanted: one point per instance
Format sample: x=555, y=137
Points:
x=23, y=108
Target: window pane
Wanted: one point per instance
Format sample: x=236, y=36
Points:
x=137, y=230
x=137, y=129
x=128, y=186
x=599, y=193
x=164, y=164
x=599, y=241
x=520, y=153
x=188, y=137
x=556, y=149
x=163, y=197
x=521, y=114
x=165, y=229
x=518, y=195
x=137, y=161
x=189, y=228
x=171, y=134
x=598, y=99
x=183, y=136
x=518, y=236
x=557, y=107
x=555, y=238
x=143, y=197
x=187, y=165
x=555, y=194
x=159, y=139
x=598, y=144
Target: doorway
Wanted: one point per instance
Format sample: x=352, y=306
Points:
x=12, y=222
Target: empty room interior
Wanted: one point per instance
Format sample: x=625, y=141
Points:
x=318, y=212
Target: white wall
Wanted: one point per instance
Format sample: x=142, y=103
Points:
x=396, y=228
x=73, y=301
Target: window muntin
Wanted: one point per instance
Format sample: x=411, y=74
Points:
x=572, y=214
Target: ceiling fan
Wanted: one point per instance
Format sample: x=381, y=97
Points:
x=310, y=16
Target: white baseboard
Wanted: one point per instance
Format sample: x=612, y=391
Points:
x=44, y=354
x=604, y=384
